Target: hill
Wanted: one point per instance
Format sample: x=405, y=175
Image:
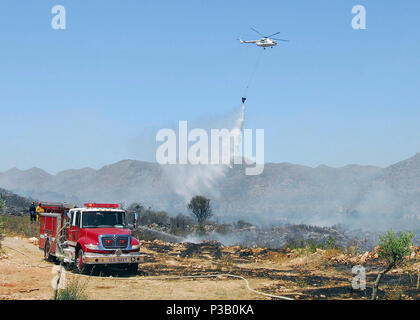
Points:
x=15, y=205
x=361, y=196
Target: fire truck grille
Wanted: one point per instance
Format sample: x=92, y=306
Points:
x=120, y=242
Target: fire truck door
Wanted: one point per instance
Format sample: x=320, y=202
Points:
x=69, y=223
x=75, y=227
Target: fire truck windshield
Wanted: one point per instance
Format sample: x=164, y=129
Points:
x=103, y=219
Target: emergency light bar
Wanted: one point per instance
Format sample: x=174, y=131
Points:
x=101, y=205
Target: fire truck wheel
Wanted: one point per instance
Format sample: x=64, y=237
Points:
x=133, y=268
x=68, y=267
x=80, y=266
x=47, y=255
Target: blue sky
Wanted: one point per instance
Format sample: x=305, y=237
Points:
x=97, y=92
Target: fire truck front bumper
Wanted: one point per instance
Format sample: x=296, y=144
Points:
x=97, y=258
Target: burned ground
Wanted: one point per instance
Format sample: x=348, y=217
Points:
x=299, y=274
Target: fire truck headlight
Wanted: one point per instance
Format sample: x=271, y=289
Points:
x=92, y=246
x=135, y=247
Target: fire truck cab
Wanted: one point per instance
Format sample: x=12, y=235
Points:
x=96, y=234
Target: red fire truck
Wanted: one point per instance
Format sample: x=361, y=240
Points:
x=96, y=234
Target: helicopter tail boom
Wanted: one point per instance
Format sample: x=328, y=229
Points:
x=246, y=41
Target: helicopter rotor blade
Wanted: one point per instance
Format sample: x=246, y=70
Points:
x=258, y=32
x=273, y=34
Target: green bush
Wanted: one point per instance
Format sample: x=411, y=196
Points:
x=393, y=250
x=330, y=243
x=75, y=290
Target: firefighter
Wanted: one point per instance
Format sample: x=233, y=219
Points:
x=39, y=210
x=32, y=213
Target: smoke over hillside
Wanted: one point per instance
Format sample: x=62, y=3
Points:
x=359, y=196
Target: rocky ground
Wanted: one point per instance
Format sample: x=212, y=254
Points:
x=298, y=274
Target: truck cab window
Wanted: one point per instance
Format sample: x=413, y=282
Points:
x=77, y=219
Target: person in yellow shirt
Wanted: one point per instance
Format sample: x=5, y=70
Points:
x=39, y=209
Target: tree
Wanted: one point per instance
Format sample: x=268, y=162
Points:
x=393, y=249
x=200, y=208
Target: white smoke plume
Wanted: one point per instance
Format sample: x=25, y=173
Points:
x=190, y=180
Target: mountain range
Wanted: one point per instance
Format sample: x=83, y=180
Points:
x=361, y=196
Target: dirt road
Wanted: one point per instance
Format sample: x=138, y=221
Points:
x=25, y=275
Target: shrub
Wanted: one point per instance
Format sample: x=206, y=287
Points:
x=223, y=229
x=330, y=243
x=179, y=224
x=353, y=250
x=74, y=290
x=304, y=246
x=149, y=217
x=241, y=224
x=392, y=249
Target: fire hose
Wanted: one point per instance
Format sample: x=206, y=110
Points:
x=202, y=276
x=181, y=277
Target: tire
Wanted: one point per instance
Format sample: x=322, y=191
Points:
x=80, y=266
x=68, y=266
x=133, y=268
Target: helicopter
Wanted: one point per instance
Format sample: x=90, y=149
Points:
x=265, y=41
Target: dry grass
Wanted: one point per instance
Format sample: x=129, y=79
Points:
x=393, y=293
x=301, y=281
x=75, y=290
x=276, y=257
x=226, y=262
x=19, y=226
x=332, y=252
x=353, y=250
